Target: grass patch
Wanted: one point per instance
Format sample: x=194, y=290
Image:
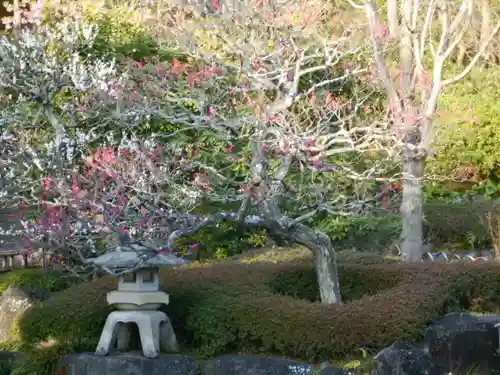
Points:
x=300, y=254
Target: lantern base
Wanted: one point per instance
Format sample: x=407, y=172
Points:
x=155, y=331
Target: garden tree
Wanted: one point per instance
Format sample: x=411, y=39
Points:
x=40, y=127
x=482, y=19
x=413, y=90
x=79, y=178
x=275, y=99
x=392, y=16
x=484, y=14
x=297, y=119
x=488, y=12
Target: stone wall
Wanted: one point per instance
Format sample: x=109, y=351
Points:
x=458, y=344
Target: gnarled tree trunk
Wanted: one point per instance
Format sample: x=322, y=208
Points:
x=265, y=191
x=325, y=261
x=326, y=270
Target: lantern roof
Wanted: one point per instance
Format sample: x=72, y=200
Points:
x=135, y=256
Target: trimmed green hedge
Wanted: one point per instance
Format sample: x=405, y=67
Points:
x=36, y=278
x=249, y=307
x=462, y=224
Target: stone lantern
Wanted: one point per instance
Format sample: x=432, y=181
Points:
x=137, y=300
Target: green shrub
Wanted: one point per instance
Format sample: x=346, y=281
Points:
x=364, y=233
x=5, y=367
x=223, y=241
x=467, y=131
x=459, y=224
x=232, y=307
x=484, y=295
x=36, y=278
x=123, y=32
x=119, y=36
x=362, y=257
x=296, y=254
x=81, y=313
x=39, y=361
x=301, y=282
x=43, y=361
x=447, y=223
x=300, y=254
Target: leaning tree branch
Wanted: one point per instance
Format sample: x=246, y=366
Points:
x=202, y=222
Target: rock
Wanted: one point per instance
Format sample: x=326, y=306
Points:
x=13, y=303
x=492, y=367
x=402, y=358
x=332, y=370
x=126, y=364
x=9, y=356
x=253, y=365
x=459, y=342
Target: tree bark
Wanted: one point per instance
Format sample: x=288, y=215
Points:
x=461, y=54
x=325, y=261
x=392, y=17
x=327, y=273
x=265, y=192
x=411, y=207
x=485, y=26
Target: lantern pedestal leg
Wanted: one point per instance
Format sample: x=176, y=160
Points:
x=149, y=330
x=168, y=340
x=109, y=336
x=155, y=331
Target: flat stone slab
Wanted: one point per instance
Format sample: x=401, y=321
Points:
x=176, y=364
x=253, y=365
x=126, y=364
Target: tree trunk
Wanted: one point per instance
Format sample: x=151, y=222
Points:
x=461, y=54
x=411, y=207
x=319, y=243
x=392, y=17
x=485, y=27
x=327, y=274
x=325, y=261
